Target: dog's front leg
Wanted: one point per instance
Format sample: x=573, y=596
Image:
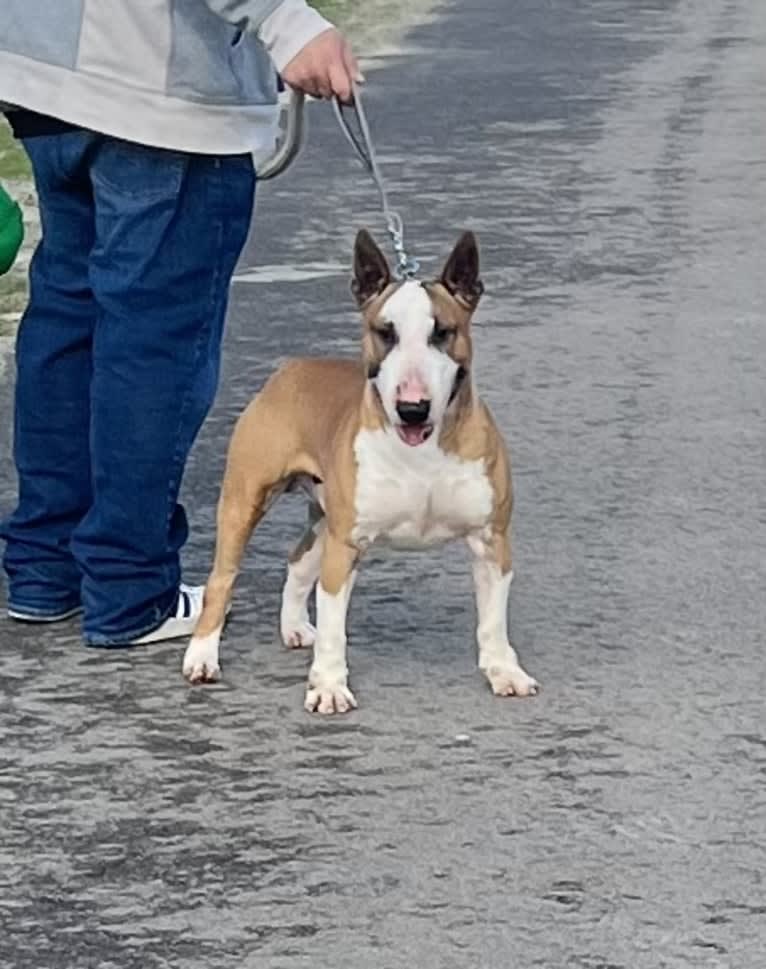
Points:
x=492, y=574
x=327, y=690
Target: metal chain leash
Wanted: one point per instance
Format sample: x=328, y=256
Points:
x=406, y=267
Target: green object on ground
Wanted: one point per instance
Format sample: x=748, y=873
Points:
x=11, y=231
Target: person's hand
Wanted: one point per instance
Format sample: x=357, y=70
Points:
x=324, y=68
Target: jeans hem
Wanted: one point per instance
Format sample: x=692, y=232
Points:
x=45, y=612
x=125, y=640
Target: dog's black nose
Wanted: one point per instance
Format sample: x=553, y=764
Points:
x=413, y=412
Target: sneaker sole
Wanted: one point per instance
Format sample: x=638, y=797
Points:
x=170, y=629
x=18, y=616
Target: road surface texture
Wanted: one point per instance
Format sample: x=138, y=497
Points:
x=612, y=157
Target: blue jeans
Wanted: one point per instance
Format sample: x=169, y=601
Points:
x=117, y=366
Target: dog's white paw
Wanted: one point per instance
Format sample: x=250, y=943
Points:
x=329, y=698
x=511, y=681
x=200, y=663
x=298, y=635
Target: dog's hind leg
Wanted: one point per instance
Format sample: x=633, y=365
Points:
x=302, y=573
x=254, y=477
x=239, y=511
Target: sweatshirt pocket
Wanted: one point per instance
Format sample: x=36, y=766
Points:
x=214, y=62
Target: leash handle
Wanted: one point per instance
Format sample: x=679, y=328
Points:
x=292, y=140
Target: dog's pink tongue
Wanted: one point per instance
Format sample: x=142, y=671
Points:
x=414, y=434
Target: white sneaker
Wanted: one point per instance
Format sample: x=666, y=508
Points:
x=180, y=625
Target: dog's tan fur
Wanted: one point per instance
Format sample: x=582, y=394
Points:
x=303, y=425
x=328, y=402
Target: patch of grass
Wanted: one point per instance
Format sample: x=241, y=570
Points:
x=13, y=162
x=334, y=10
x=13, y=299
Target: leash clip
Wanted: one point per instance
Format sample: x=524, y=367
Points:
x=406, y=267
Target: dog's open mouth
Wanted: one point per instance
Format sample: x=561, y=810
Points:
x=414, y=434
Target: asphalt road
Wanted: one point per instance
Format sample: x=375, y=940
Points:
x=612, y=157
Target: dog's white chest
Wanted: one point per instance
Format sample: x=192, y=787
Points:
x=416, y=497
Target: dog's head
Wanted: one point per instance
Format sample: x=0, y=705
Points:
x=417, y=336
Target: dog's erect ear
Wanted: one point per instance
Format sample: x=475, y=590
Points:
x=371, y=272
x=461, y=272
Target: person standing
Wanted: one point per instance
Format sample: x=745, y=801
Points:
x=140, y=122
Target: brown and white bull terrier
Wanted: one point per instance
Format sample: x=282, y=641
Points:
x=398, y=448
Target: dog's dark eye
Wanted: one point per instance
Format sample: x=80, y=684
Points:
x=440, y=334
x=387, y=334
